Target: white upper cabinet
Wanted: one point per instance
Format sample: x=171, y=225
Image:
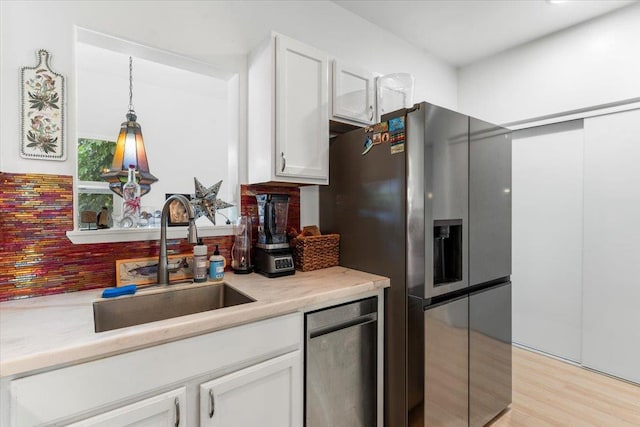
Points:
x=288, y=113
x=353, y=95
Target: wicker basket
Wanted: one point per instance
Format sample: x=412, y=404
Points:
x=316, y=252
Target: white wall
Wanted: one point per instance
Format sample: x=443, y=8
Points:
x=588, y=65
x=219, y=33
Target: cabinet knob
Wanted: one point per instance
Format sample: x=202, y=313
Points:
x=371, y=111
x=284, y=161
x=212, y=404
x=177, y=405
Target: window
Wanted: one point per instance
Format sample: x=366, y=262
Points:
x=189, y=114
x=94, y=156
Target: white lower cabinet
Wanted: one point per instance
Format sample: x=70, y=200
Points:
x=166, y=409
x=268, y=394
x=254, y=372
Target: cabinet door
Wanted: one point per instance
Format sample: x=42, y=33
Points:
x=353, y=93
x=302, y=111
x=268, y=394
x=166, y=409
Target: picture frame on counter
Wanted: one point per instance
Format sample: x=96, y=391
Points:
x=177, y=212
x=142, y=271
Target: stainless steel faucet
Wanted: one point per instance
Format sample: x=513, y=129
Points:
x=192, y=235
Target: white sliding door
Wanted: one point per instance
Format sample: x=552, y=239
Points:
x=547, y=238
x=611, y=323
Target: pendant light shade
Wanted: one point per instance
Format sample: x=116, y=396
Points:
x=129, y=151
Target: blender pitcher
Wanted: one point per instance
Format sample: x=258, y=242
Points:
x=272, y=217
x=241, y=250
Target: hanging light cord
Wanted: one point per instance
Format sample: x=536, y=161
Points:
x=130, y=84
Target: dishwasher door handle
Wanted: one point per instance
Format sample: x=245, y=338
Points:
x=356, y=321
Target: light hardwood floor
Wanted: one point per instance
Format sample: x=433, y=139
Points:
x=549, y=392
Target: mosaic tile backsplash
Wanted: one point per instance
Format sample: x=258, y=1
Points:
x=37, y=258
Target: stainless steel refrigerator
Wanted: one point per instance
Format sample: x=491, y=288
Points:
x=425, y=198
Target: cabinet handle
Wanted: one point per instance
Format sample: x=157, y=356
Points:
x=212, y=404
x=284, y=161
x=371, y=115
x=177, y=404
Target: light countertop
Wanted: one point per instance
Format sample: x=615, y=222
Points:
x=52, y=331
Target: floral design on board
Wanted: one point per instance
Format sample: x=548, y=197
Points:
x=43, y=94
x=42, y=111
x=42, y=134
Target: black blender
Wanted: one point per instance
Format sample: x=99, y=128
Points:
x=273, y=256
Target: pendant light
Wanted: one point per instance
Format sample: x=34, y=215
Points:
x=129, y=151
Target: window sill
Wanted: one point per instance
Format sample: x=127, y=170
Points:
x=114, y=235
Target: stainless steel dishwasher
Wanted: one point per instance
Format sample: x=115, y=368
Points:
x=340, y=365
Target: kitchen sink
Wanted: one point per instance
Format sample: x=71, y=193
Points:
x=145, y=307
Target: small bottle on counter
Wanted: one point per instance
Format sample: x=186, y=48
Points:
x=200, y=262
x=217, y=263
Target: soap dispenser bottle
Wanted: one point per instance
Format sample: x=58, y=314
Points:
x=217, y=263
x=200, y=262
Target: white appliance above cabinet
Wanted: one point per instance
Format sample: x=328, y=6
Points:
x=353, y=95
x=288, y=113
x=394, y=92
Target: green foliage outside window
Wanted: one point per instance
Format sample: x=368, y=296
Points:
x=94, y=156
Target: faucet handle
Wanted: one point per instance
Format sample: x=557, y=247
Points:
x=192, y=235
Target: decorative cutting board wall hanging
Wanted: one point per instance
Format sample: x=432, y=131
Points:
x=42, y=111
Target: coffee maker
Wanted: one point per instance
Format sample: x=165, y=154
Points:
x=273, y=256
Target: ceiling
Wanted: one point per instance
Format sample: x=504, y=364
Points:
x=464, y=31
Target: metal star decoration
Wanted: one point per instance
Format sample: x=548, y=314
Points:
x=206, y=201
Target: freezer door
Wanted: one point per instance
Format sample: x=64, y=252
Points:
x=489, y=353
x=446, y=352
x=489, y=202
